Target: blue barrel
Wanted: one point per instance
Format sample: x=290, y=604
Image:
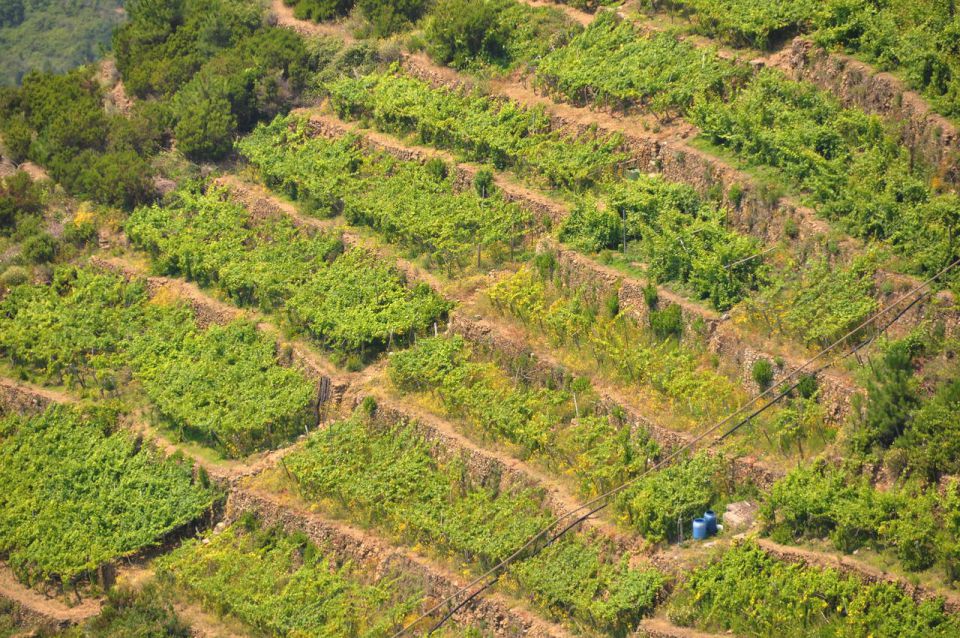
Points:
x=700, y=529
x=711, y=518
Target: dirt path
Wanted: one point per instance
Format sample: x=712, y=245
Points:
x=285, y=18
x=21, y=396
x=580, y=17
x=663, y=628
x=50, y=609
x=558, y=495
x=204, y=624
x=853, y=567
x=506, y=616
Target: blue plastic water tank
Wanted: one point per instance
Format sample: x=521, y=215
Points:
x=700, y=529
x=711, y=518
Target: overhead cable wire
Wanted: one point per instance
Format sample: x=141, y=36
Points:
x=493, y=574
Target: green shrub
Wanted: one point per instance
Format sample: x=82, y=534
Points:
x=319, y=10
x=461, y=31
x=762, y=373
x=390, y=16
x=890, y=402
x=793, y=600
x=807, y=386
x=18, y=196
x=14, y=276
x=667, y=323
x=206, y=127
x=40, y=248
x=916, y=522
x=662, y=505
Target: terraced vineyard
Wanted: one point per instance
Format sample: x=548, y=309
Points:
x=496, y=318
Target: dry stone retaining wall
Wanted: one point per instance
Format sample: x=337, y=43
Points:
x=380, y=560
x=852, y=567
x=933, y=137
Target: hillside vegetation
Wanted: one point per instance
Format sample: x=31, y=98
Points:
x=313, y=312
x=54, y=35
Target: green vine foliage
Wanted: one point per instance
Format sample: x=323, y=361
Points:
x=79, y=492
x=611, y=65
x=601, y=451
x=748, y=592
x=816, y=303
x=566, y=427
x=351, y=302
x=918, y=524
x=916, y=39
x=414, y=205
x=847, y=163
x=750, y=22
x=221, y=385
x=388, y=478
x=662, y=505
x=283, y=584
x=503, y=34
x=480, y=127
x=674, y=232
x=628, y=351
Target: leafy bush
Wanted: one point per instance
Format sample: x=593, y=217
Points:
x=206, y=127
x=411, y=495
x=762, y=373
x=319, y=10
x=283, y=584
x=470, y=33
x=482, y=128
x=94, y=518
x=891, y=401
x=389, y=16
x=19, y=195
x=931, y=443
x=610, y=64
x=127, y=613
x=86, y=150
x=40, y=248
x=662, y=505
x=749, y=22
x=915, y=522
x=163, y=44
x=460, y=31
x=792, y=600
x=667, y=322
